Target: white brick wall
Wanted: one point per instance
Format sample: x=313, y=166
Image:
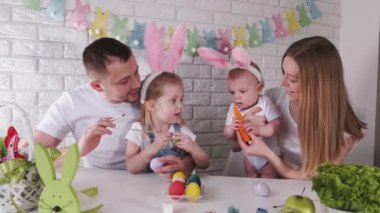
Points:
x=41, y=58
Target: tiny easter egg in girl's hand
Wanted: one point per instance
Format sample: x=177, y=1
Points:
x=155, y=163
x=176, y=188
x=193, y=191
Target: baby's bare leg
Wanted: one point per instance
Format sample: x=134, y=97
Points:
x=249, y=169
x=268, y=171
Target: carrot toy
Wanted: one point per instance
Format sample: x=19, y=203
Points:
x=243, y=133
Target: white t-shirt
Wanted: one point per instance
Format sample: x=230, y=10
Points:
x=80, y=108
x=288, y=140
x=136, y=135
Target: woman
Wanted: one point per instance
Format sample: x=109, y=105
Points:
x=317, y=120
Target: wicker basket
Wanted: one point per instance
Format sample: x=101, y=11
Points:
x=26, y=193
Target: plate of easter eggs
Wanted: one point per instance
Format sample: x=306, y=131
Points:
x=183, y=188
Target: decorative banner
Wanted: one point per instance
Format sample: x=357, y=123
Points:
x=56, y=10
x=222, y=42
x=78, y=19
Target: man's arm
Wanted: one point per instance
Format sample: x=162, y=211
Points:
x=45, y=139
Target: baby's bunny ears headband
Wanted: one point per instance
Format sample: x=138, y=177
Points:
x=155, y=53
x=239, y=55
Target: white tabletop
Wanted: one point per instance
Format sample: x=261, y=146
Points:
x=120, y=191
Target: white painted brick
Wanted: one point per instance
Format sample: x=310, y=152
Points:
x=197, y=99
x=219, y=73
x=5, y=13
x=5, y=118
x=281, y=49
x=285, y=40
x=187, y=113
x=146, y=1
x=4, y=47
x=73, y=81
x=247, y=9
x=181, y=3
x=266, y=49
x=46, y=99
x=119, y=7
x=218, y=125
x=154, y=12
x=212, y=139
x=331, y=20
x=209, y=112
x=38, y=82
x=287, y=3
x=266, y=2
x=218, y=99
x=18, y=64
x=217, y=165
x=199, y=126
x=230, y=20
x=188, y=85
x=5, y=81
x=18, y=31
x=10, y=2
x=192, y=15
x=24, y=14
x=322, y=30
x=337, y=9
x=33, y=48
x=325, y=8
x=220, y=152
x=269, y=74
x=74, y=50
x=272, y=62
x=337, y=32
x=201, y=85
x=62, y=34
x=61, y=66
x=194, y=71
x=22, y=98
x=215, y=5
x=269, y=11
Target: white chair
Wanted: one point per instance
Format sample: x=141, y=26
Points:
x=234, y=165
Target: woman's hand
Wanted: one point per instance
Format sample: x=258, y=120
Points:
x=91, y=137
x=172, y=164
x=257, y=146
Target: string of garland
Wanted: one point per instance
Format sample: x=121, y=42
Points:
x=222, y=42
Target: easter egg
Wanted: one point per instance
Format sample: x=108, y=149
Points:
x=177, y=188
x=155, y=163
x=178, y=179
x=194, y=178
x=179, y=174
x=193, y=191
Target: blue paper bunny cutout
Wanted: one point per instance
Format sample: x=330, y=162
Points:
x=314, y=11
x=254, y=38
x=268, y=33
x=210, y=38
x=304, y=18
x=120, y=29
x=137, y=37
x=56, y=10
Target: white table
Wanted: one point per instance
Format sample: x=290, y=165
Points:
x=120, y=191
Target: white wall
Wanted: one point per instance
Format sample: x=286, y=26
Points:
x=40, y=58
x=359, y=43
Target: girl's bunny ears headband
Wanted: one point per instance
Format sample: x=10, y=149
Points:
x=239, y=55
x=155, y=53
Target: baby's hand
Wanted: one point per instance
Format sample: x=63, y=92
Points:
x=161, y=140
x=235, y=124
x=184, y=142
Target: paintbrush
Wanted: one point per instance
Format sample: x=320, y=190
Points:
x=116, y=118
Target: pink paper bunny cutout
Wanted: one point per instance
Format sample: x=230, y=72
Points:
x=78, y=20
x=280, y=30
x=225, y=41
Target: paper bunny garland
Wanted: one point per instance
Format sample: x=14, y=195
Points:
x=56, y=10
x=78, y=19
x=239, y=55
x=155, y=52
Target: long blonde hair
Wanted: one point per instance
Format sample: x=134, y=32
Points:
x=155, y=91
x=325, y=112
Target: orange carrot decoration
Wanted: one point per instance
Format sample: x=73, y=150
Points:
x=242, y=132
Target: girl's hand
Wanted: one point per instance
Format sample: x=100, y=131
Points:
x=91, y=137
x=185, y=142
x=172, y=164
x=161, y=140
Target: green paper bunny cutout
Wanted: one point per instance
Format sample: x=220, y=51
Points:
x=58, y=195
x=304, y=18
x=120, y=29
x=254, y=38
x=192, y=42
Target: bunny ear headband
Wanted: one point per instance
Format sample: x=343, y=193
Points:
x=239, y=55
x=155, y=53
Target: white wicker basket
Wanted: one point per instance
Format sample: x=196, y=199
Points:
x=26, y=193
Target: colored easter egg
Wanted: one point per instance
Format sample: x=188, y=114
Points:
x=176, y=188
x=194, y=178
x=179, y=174
x=193, y=191
x=178, y=179
x=155, y=163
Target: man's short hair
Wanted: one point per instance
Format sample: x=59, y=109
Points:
x=97, y=55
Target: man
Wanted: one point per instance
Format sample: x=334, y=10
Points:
x=89, y=111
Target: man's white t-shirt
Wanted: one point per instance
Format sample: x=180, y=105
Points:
x=136, y=135
x=80, y=108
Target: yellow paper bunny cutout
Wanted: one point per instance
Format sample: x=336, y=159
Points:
x=294, y=25
x=171, y=33
x=99, y=27
x=240, y=39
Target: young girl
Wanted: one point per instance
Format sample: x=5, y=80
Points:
x=161, y=123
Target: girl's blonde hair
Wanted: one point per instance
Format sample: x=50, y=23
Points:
x=155, y=91
x=325, y=112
